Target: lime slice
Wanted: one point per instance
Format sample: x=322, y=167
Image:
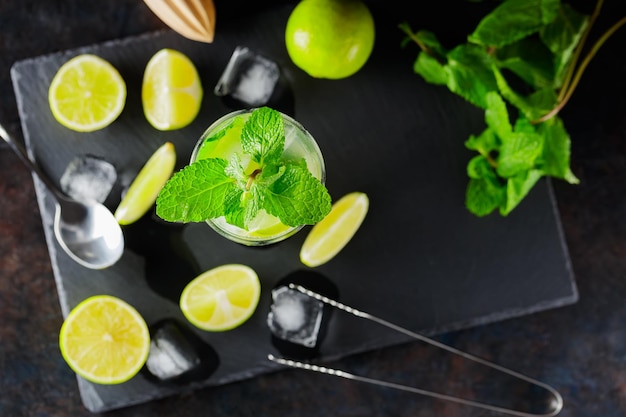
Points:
x=171, y=92
x=104, y=340
x=146, y=186
x=223, y=144
x=328, y=237
x=265, y=224
x=87, y=93
x=221, y=298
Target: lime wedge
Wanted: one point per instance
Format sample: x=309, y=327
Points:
x=328, y=237
x=265, y=224
x=146, y=186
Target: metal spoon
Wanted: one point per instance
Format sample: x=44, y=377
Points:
x=87, y=231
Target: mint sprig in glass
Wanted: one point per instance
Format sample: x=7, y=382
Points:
x=256, y=177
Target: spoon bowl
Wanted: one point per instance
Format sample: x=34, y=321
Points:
x=84, y=232
x=87, y=231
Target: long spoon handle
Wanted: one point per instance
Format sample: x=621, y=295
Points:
x=555, y=404
x=21, y=152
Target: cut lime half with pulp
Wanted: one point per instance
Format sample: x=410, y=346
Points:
x=87, y=93
x=105, y=340
x=221, y=298
x=171, y=92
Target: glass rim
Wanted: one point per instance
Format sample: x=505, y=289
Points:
x=259, y=240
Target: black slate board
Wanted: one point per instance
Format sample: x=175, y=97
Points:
x=420, y=259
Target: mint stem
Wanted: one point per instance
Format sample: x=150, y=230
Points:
x=251, y=178
x=579, y=49
x=407, y=29
x=489, y=158
x=581, y=69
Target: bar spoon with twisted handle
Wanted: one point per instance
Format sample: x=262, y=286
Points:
x=87, y=231
x=552, y=407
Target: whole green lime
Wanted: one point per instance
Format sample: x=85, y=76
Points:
x=330, y=38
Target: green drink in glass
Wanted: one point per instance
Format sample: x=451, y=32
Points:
x=256, y=177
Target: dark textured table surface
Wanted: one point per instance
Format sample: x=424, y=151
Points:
x=579, y=349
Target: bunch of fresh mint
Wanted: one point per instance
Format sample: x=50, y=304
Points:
x=214, y=187
x=520, y=66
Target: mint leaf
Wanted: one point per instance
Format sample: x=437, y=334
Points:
x=196, y=193
x=430, y=69
x=518, y=153
x=430, y=62
x=514, y=63
x=513, y=20
x=296, y=197
x=562, y=36
x=482, y=197
x=240, y=188
x=480, y=168
x=263, y=136
x=518, y=149
x=540, y=102
x=517, y=188
x=234, y=211
x=485, y=192
x=530, y=60
x=235, y=170
x=532, y=106
x=430, y=40
x=497, y=116
x=523, y=125
x=484, y=143
x=470, y=73
x=556, y=155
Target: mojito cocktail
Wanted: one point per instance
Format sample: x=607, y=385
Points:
x=257, y=177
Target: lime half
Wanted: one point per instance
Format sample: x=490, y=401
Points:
x=87, y=93
x=221, y=298
x=105, y=340
x=171, y=92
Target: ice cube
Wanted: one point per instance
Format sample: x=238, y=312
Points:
x=248, y=77
x=171, y=354
x=88, y=178
x=294, y=316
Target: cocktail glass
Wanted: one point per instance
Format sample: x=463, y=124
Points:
x=223, y=139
